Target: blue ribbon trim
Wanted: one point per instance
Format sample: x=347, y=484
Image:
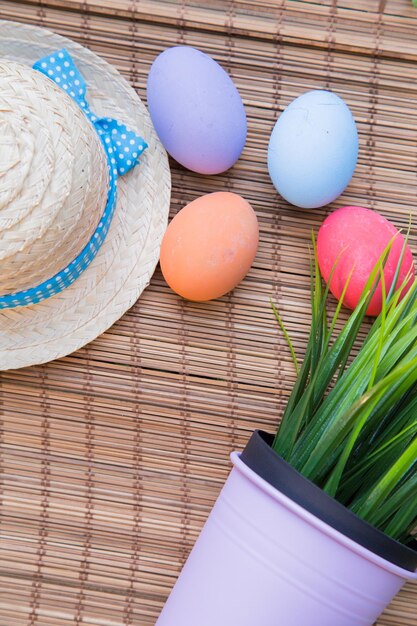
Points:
x=123, y=149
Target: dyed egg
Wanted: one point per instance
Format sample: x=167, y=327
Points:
x=313, y=149
x=209, y=246
x=354, y=238
x=196, y=110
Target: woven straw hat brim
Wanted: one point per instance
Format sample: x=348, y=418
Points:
x=125, y=263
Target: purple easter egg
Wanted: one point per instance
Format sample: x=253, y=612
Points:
x=196, y=110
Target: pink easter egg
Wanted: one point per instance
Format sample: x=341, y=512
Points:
x=354, y=238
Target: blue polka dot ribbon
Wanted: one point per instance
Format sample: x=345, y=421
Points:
x=123, y=149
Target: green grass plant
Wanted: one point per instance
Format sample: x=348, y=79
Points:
x=350, y=424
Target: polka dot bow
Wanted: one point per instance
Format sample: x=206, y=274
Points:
x=122, y=147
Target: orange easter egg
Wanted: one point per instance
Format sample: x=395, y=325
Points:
x=209, y=246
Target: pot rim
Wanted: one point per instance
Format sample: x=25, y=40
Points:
x=255, y=463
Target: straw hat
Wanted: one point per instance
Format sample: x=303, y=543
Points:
x=54, y=191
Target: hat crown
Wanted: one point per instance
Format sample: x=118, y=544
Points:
x=53, y=178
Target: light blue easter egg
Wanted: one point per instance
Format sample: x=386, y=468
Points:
x=313, y=149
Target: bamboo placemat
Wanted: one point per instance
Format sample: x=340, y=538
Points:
x=112, y=457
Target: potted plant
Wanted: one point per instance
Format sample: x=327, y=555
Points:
x=314, y=526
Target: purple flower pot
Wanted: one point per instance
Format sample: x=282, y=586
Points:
x=265, y=559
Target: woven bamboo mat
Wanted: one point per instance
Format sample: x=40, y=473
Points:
x=112, y=457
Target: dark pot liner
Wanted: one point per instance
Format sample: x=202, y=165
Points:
x=262, y=459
